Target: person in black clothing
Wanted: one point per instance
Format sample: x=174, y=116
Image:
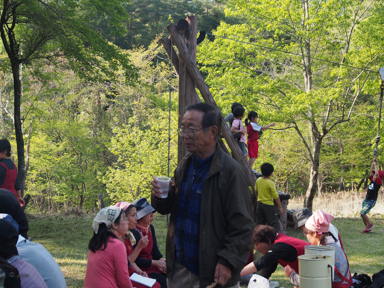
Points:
x=10, y=205
x=150, y=259
x=371, y=198
x=276, y=248
x=8, y=172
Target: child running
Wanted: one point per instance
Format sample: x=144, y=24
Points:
x=371, y=198
x=253, y=130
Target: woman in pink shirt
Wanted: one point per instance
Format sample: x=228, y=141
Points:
x=107, y=265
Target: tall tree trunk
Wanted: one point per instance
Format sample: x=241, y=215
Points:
x=312, y=187
x=18, y=131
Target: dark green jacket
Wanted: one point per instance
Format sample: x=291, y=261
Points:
x=226, y=224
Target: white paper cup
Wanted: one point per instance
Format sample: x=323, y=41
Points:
x=164, y=185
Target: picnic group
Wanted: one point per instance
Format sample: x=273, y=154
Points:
x=211, y=232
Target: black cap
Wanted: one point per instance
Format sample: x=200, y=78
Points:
x=300, y=216
x=143, y=207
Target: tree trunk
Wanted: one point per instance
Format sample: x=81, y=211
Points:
x=18, y=131
x=312, y=187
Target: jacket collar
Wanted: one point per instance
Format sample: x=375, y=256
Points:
x=216, y=165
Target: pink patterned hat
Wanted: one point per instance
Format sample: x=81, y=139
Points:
x=319, y=222
x=123, y=205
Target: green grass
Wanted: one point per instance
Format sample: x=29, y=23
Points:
x=67, y=237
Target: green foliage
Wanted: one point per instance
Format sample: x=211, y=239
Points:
x=284, y=64
x=140, y=143
x=150, y=18
x=45, y=30
x=141, y=152
x=84, y=135
x=67, y=144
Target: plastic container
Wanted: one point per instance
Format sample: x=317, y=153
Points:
x=315, y=271
x=320, y=250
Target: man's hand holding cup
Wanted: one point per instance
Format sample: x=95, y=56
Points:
x=161, y=186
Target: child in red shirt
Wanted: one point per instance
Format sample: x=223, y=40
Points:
x=253, y=130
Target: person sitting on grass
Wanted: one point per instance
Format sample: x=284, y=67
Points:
x=107, y=264
x=317, y=232
x=29, y=277
x=10, y=205
x=150, y=259
x=129, y=241
x=276, y=248
x=300, y=217
x=39, y=257
x=371, y=197
x=266, y=192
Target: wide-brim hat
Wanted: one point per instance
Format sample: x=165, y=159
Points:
x=8, y=237
x=143, y=207
x=300, y=217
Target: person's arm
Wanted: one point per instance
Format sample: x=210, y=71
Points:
x=143, y=242
x=292, y=275
x=268, y=126
x=3, y=171
x=267, y=264
x=375, y=167
x=138, y=270
x=275, y=195
x=158, y=261
x=250, y=268
x=120, y=264
x=236, y=198
x=228, y=117
x=236, y=127
x=156, y=254
x=14, y=209
x=141, y=262
x=278, y=202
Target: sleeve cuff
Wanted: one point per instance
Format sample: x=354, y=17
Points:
x=224, y=262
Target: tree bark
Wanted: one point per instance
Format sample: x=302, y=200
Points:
x=208, y=98
x=18, y=131
x=312, y=187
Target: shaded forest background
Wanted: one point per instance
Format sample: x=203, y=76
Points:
x=97, y=123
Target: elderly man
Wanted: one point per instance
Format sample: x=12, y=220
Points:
x=210, y=229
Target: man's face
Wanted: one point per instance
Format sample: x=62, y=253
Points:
x=201, y=140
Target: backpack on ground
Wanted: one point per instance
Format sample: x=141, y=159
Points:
x=361, y=280
x=10, y=277
x=378, y=280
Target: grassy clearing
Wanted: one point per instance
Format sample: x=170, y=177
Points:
x=67, y=237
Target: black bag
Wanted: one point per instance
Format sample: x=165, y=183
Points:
x=378, y=280
x=12, y=277
x=236, y=135
x=361, y=280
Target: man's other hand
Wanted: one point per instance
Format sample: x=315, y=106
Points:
x=222, y=274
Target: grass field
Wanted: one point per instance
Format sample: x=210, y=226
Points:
x=67, y=237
